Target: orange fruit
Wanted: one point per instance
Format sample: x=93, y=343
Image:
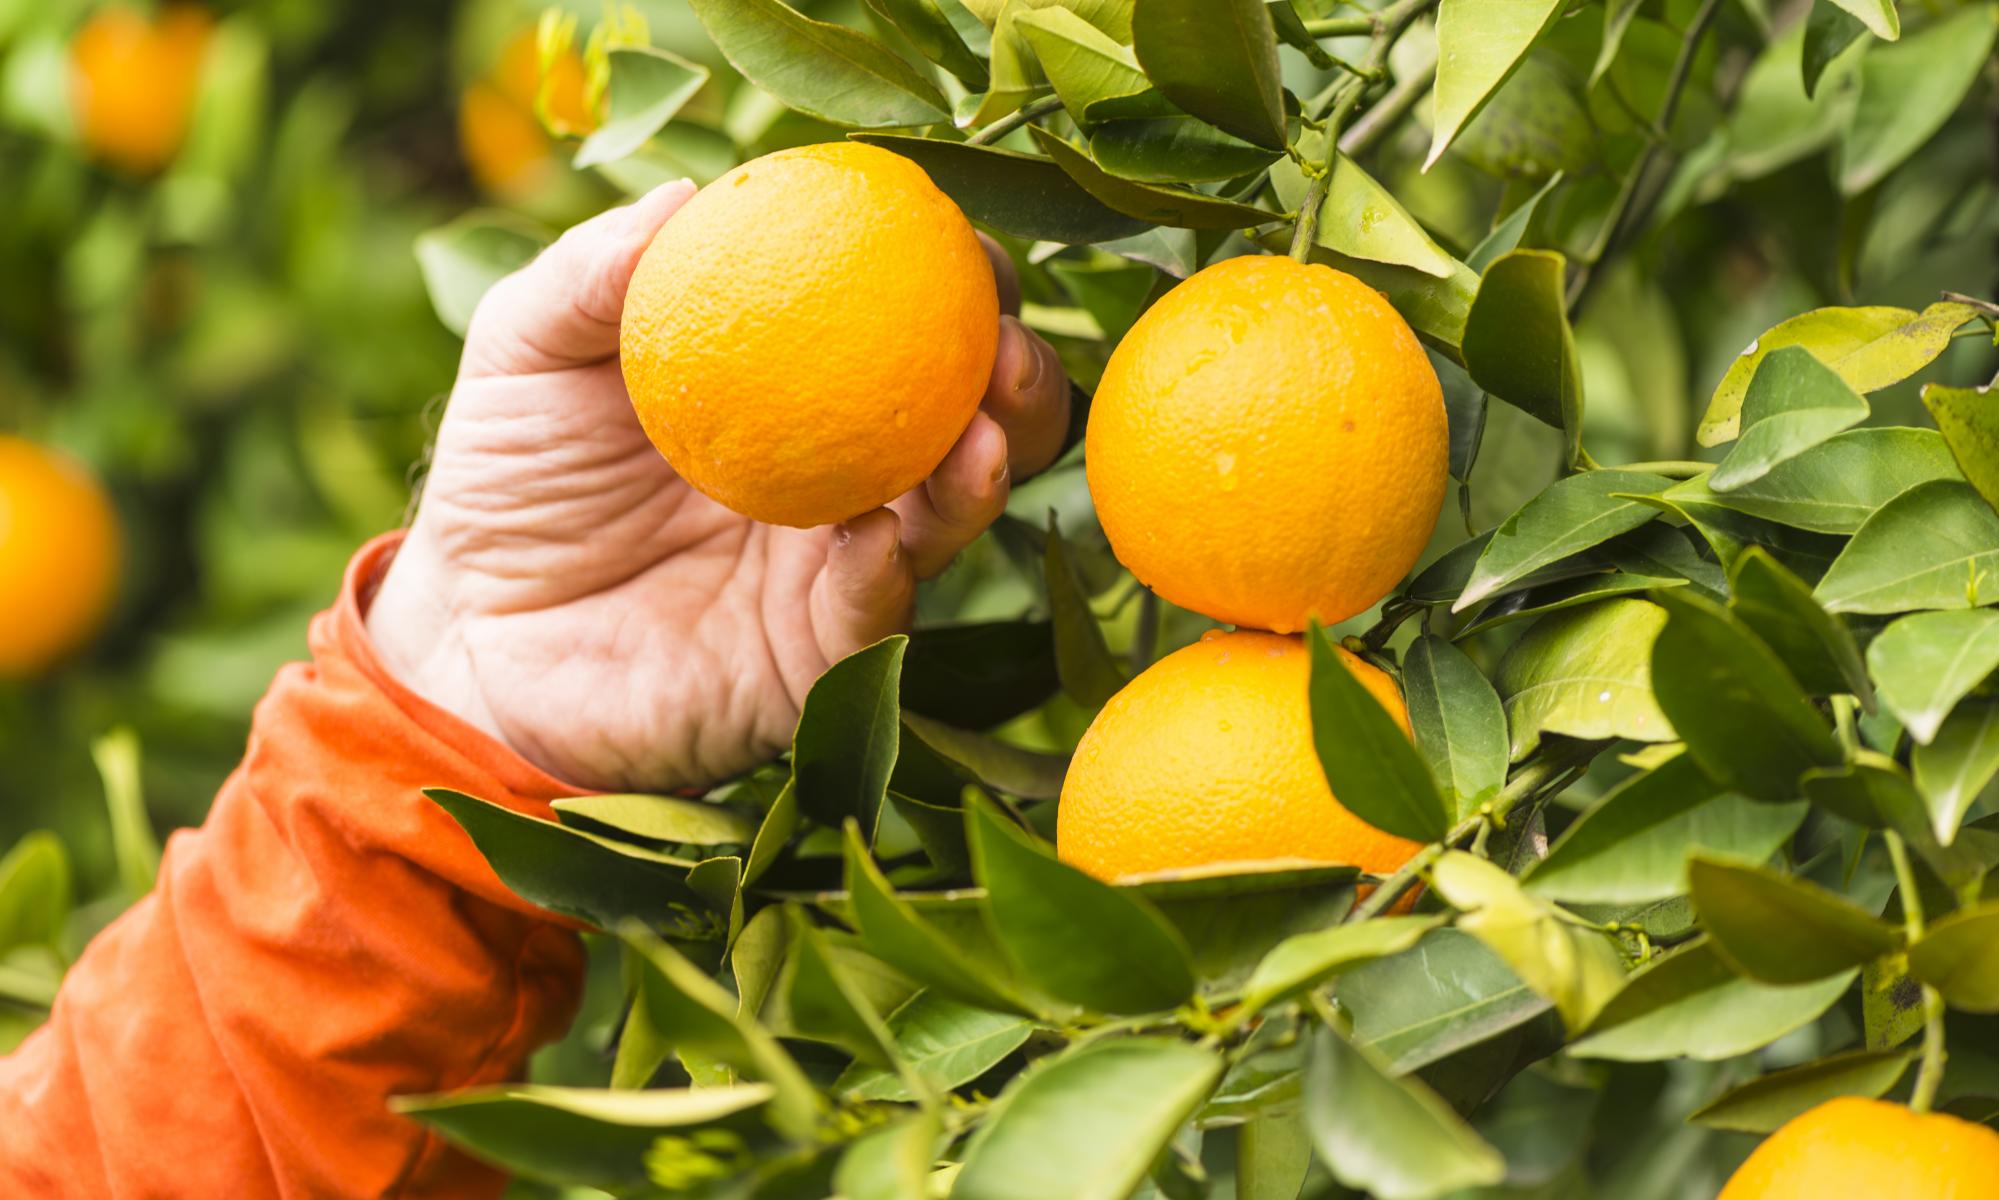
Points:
x=1207, y=758
x=133, y=81
x=807, y=338
x=1871, y=1148
x=58, y=555
x=1268, y=445
x=505, y=147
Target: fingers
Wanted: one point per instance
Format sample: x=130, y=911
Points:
x=1028, y=396
x=867, y=589
x=1005, y=278
x=562, y=309
x=966, y=493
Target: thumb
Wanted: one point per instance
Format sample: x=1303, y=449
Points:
x=562, y=309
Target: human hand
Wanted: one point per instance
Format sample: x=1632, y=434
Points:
x=564, y=590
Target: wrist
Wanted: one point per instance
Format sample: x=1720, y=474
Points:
x=417, y=630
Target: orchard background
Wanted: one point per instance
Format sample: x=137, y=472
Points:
x=1588, y=211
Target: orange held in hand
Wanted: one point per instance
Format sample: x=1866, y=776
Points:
x=58, y=557
x=133, y=80
x=808, y=337
x=1268, y=445
x=1207, y=758
x=1872, y=1149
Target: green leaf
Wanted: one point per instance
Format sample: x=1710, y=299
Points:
x=947, y=1043
x=1570, y=593
x=1087, y=1124
x=583, y=1135
x=648, y=86
x=1586, y=673
x=1366, y=756
x=1159, y=204
x=1174, y=150
x=967, y=757
x=1835, y=486
x=1445, y=579
x=892, y=1162
x=774, y=835
x=1090, y=675
x=1728, y=532
x=1479, y=45
x=1517, y=342
x=1359, y=217
x=1633, y=845
x=1909, y=89
x=1765, y=1103
x=1777, y=606
x=1925, y=663
x=1959, y=957
x=1074, y=937
x=1428, y=1003
x=1969, y=419
x=1933, y=546
x=825, y=1004
x=1879, y=16
x=1743, y=717
x=1273, y=1153
x=134, y=846
x=461, y=260
x=668, y=819
x=1458, y=722
x=1874, y=791
x=1306, y=960
x=1954, y=768
x=578, y=874
x=1085, y=65
x=1015, y=193
x=1891, y=1003
x=836, y=74
x=1617, y=16
x=903, y=940
x=1535, y=126
x=1869, y=348
x=1393, y=1138
x=1689, y=1004
x=1779, y=929
x=1507, y=232
x=1578, y=969
x=1828, y=31
x=1217, y=59
x=1794, y=402
x=36, y=892
x=929, y=27
x=1231, y=921
x=1569, y=516
x=848, y=734
x=978, y=675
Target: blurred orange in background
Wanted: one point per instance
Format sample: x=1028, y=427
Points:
x=133, y=80
x=58, y=556
x=502, y=138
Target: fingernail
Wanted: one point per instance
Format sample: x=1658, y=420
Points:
x=1000, y=473
x=1034, y=354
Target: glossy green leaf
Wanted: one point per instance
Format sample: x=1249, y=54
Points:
x=1959, y=957
x=825, y=1004
x=1306, y=960
x=1874, y=791
x=1925, y=663
x=1829, y=31
x=1869, y=348
x=1517, y=342
x=1016, y=193
x=1778, y=608
x=828, y=71
x=1570, y=593
x=905, y=941
x=37, y=890
x=1217, y=59
x=1083, y=63
x=949, y=1044
x=1479, y=45
x=1508, y=231
x=667, y=819
x=585, y=1135
x=849, y=729
x=1457, y=720
x=1969, y=419
x=1767, y=1102
x=1794, y=402
x=1087, y=1124
x=978, y=674
x=1633, y=844
x=1074, y=937
x=1446, y=994
x=1934, y=546
x=1366, y=756
x=1534, y=127
x=1732, y=701
x=1359, y=217
x=1393, y=1138
x=774, y=835
x=1174, y=150
x=1909, y=89
x=1957, y=765
x=1159, y=204
x=1728, y=532
x=1783, y=930
x=1568, y=516
x=1835, y=486
x=929, y=26
x=1273, y=1153
x=1586, y=673
x=1090, y=675
x=1577, y=969
x=578, y=874
x=463, y=259
x=1232, y=920
x=985, y=760
x=648, y=86
x=892, y=1162
x=1690, y=1004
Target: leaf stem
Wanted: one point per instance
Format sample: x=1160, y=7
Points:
x=1014, y=120
x=1929, y=1076
x=1671, y=468
x=1625, y=214
x=1326, y=27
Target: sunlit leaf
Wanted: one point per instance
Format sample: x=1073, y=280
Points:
x=648, y=86
x=1933, y=546
x=1765, y=1103
x=1394, y=1138
x=829, y=71
x=1587, y=673
x=1909, y=89
x=1783, y=930
x=1479, y=44
x=1217, y=59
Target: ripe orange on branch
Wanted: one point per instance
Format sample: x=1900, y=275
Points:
x=808, y=337
x=1207, y=758
x=58, y=556
x=1268, y=445
x=1872, y=1149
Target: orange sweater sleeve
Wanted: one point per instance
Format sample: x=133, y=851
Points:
x=326, y=940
